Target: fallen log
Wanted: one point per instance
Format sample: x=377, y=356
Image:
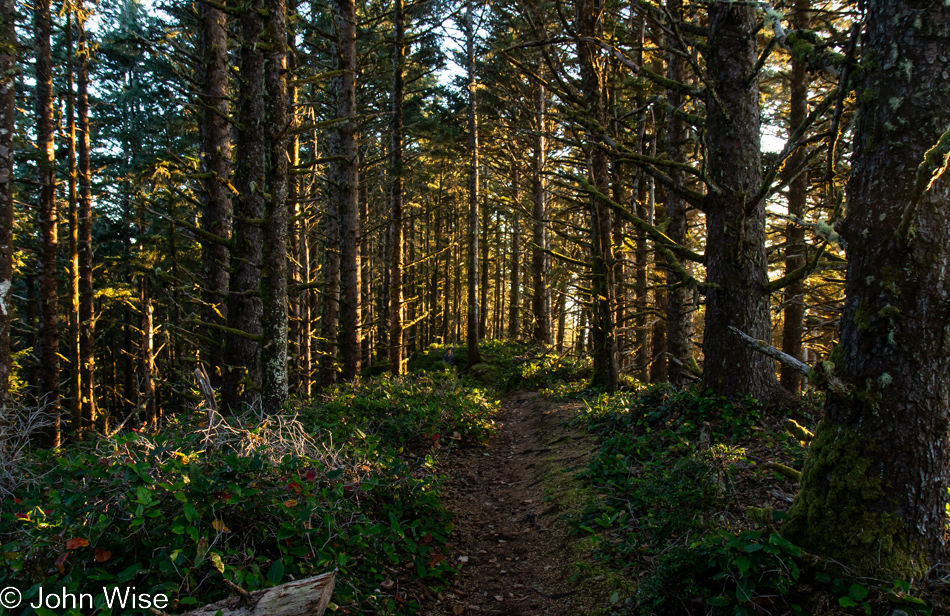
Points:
x=308, y=597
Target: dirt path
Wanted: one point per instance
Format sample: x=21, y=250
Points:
x=511, y=541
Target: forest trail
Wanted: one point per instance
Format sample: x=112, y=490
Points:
x=507, y=499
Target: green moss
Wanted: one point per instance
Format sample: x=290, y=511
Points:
x=843, y=511
x=889, y=312
x=890, y=277
x=797, y=430
x=862, y=318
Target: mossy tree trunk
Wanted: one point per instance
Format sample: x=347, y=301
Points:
x=679, y=299
x=215, y=135
x=8, y=125
x=794, y=301
x=344, y=188
x=241, y=380
x=395, y=281
x=474, y=356
x=87, y=321
x=540, y=261
x=736, y=261
x=874, y=486
x=274, y=380
x=590, y=26
x=514, y=304
x=47, y=218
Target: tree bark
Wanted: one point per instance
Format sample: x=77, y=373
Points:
x=344, y=186
x=146, y=358
x=8, y=44
x=561, y=316
x=474, y=356
x=242, y=377
x=540, y=261
x=215, y=134
x=679, y=304
x=590, y=26
x=75, y=385
x=47, y=218
x=366, y=269
x=395, y=293
x=735, y=247
x=484, y=269
x=641, y=290
x=87, y=350
x=273, y=350
x=874, y=485
x=794, y=305
x=514, y=307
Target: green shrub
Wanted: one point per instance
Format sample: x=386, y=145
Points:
x=347, y=485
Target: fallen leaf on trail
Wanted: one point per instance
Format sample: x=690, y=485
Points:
x=388, y=584
x=435, y=559
x=102, y=555
x=499, y=598
x=458, y=609
x=463, y=559
x=76, y=543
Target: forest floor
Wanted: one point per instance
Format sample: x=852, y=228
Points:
x=508, y=501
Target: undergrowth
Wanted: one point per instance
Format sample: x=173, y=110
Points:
x=347, y=484
x=689, y=507
x=507, y=366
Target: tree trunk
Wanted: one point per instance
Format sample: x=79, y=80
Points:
x=474, y=357
x=580, y=336
x=561, y=315
x=49, y=396
x=274, y=381
x=641, y=290
x=330, y=300
x=735, y=247
x=874, y=486
x=366, y=269
x=395, y=293
x=483, y=270
x=540, y=261
x=8, y=40
x=242, y=378
x=679, y=308
x=514, y=308
x=215, y=133
x=344, y=186
x=296, y=224
x=590, y=25
x=658, y=348
x=794, y=305
x=146, y=358
x=87, y=350
x=75, y=386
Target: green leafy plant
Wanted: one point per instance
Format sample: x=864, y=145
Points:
x=348, y=485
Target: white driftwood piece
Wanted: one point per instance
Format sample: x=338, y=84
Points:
x=308, y=597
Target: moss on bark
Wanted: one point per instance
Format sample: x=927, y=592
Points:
x=842, y=491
